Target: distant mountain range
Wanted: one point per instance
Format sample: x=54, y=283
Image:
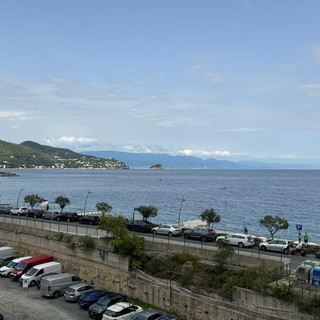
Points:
x=146, y=160
x=33, y=155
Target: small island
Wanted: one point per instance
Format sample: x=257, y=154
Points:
x=157, y=166
x=7, y=174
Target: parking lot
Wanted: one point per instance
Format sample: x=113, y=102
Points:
x=17, y=303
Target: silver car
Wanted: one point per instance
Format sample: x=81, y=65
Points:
x=168, y=230
x=74, y=292
x=279, y=245
x=238, y=239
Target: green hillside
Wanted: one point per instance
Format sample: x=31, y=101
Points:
x=33, y=155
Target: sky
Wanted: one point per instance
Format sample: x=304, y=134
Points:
x=231, y=79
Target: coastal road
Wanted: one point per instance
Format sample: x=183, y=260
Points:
x=75, y=227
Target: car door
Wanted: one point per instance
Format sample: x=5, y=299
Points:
x=272, y=245
x=164, y=229
x=195, y=233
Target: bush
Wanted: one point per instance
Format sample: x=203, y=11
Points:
x=59, y=236
x=87, y=244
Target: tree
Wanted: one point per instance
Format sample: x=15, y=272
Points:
x=103, y=207
x=210, y=217
x=148, y=211
x=224, y=253
x=62, y=201
x=274, y=224
x=115, y=225
x=33, y=199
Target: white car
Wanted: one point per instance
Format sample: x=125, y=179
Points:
x=279, y=245
x=168, y=230
x=19, y=211
x=238, y=239
x=121, y=311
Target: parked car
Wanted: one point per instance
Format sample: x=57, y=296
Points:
x=5, y=209
x=35, y=213
x=238, y=239
x=31, y=276
x=148, y=315
x=278, y=245
x=140, y=226
x=38, y=281
x=5, y=260
x=92, y=220
x=121, y=311
x=19, y=211
x=55, y=285
x=1, y=317
x=97, y=309
x=168, y=230
x=73, y=293
x=5, y=271
x=91, y=297
x=51, y=215
x=201, y=233
x=69, y=217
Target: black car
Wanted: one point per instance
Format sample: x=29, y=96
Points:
x=35, y=213
x=140, y=226
x=90, y=220
x=91, y=297
x=97, y=309
x=69, y=217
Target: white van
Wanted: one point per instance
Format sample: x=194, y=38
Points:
x=55, y=285
x=31, y=276
x=6, y=270
x=5, y=252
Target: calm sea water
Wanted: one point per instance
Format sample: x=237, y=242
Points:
x=241, y=197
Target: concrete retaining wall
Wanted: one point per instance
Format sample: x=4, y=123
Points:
x=106, y=269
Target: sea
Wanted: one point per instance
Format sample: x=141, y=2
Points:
x=240, y=197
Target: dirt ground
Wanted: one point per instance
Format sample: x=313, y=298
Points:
x=17, y=303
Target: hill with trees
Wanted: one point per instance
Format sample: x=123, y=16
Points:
x=30, y=154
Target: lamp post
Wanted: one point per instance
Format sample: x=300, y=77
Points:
x=85, y=204
x=183, y=199
x=19, y=197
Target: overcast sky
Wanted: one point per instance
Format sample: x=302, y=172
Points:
x=225, y=79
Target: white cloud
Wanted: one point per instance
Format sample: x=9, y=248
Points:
x=14, y=115
x=243, y=129
x=311, y=90
x=71, y=142
x=205, y=154
x=200, y=72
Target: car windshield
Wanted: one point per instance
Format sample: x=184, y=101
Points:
x=11, y=264
x=104, y=301
x=70, y=290
x=175, y=227
x=32, y=272
x=20, y=266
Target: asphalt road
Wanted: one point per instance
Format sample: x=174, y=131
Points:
x=17, y=303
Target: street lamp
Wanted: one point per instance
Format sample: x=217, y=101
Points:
x=19, y=197
x=183, y=199
x=85, y=204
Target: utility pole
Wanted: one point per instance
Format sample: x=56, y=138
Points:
x=182, y=200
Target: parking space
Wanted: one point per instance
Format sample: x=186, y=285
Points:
x=17, y=303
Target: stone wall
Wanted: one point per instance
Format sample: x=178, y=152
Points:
x=106, y=269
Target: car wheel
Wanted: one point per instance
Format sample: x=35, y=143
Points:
x=203, y=238
x=170, y=234
x=186, y=236
x=56, y=294
x=57, y=219
x=263, y=248
x=240, y=245
x=285, y=251
x=68, y=220
x=32, y=283
x=154, y=232
x=91, y=223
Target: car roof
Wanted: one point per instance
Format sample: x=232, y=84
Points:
x=150, y=312
x=119, y=306
x=79, y=285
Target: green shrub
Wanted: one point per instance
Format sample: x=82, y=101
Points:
x=87, y=244
x=59, y=236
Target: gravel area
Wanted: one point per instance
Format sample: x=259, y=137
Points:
x=17, y=303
